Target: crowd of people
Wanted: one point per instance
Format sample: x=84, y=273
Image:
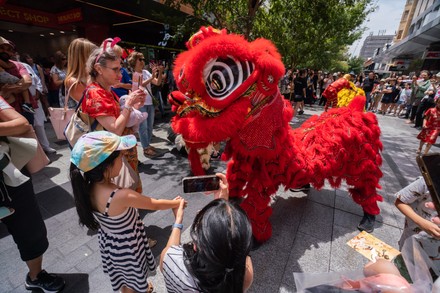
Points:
x=414, y=98
x=93, y=80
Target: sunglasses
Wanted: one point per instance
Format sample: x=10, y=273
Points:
x=142, y=59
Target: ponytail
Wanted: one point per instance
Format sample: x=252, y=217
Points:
x=82, y=199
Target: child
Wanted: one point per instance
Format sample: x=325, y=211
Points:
x=136, y=116
x=7, y=78
x=414, y=201
x=126, y=255
x=431, y=128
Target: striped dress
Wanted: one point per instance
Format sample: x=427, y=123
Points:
x=176, y=275
x=126, y=256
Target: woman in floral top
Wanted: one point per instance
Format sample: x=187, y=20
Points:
x=102, y=104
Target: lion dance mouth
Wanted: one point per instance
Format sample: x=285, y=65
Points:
x=228, y=91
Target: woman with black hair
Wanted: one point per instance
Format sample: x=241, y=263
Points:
x=217, y=259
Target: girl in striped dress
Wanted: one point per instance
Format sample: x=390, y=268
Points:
x=101, y=205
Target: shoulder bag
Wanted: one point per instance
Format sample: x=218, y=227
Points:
x=80, y=123
x=59, y=117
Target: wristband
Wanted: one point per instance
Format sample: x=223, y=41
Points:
x=178, y=226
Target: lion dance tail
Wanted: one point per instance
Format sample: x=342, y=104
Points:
x=344, y=143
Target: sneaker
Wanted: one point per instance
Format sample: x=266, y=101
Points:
x=28, y=108
x=300, y=112
x=303, y=188
x=50, y=150
x=46, y=282
x=367, y=223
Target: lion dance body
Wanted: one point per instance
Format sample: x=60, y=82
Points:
x=228, y=91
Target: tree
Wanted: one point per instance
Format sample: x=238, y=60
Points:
x=355, y=64
x=308, y=33
x=237, y=16
x=313, y=33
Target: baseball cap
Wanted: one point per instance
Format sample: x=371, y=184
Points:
x=438, y=74
x=93, y=148
x=3, y=41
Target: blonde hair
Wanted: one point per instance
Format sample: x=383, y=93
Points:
x=77, y=55
x=133, y=57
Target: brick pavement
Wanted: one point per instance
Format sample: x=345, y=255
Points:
x=309, y=231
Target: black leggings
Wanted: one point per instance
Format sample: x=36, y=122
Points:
x=26, y=224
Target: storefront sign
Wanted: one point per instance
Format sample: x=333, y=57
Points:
x=23, y=15
x=401, y=64
x=432, y=55
x=69, y=16
x=27, y=16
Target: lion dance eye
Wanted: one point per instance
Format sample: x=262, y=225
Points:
x=224, y=75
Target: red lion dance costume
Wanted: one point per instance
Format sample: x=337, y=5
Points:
x=228, y=91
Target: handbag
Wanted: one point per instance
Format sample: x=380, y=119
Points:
x=39, y=160
x=127, y=178
x=59, y=117
x=76, y=126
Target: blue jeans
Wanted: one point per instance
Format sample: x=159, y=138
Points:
x=146, y=127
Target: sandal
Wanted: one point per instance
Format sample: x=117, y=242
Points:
x=149, y=152
x=150, y=288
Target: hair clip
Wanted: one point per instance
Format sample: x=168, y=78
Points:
x=104, y=44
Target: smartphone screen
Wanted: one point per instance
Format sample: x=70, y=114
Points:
x=200, y=183
x=430, y=167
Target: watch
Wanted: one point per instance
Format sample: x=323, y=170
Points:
x=128, y=108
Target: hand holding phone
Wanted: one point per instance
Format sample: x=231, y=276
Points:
x=200, y=183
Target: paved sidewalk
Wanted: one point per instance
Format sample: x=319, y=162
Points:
x=310, y=231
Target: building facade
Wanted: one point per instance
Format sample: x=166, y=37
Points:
x=374, y=44
x=419, y=44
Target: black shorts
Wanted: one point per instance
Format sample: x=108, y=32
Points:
x=288, y=96
x=386, y=99
x=26, y=224
x=298, y=98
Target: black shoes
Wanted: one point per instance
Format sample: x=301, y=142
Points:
x=367, y=223
x=47, y=282
x=304, y=188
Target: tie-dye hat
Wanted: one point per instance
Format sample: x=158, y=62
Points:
x=93, y=148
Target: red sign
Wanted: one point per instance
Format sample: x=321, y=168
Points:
x=19, y=14
x=69, y=16
x=27, y=16
x=432, y=55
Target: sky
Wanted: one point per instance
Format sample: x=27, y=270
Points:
x=386, y=17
